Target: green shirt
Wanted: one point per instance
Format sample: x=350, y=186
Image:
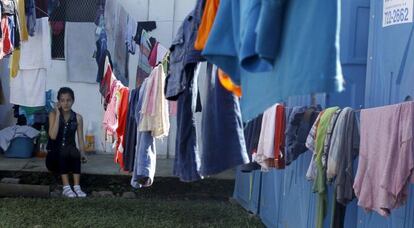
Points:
x=319, y=186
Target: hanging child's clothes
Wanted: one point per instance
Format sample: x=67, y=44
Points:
x=155, y=108
x=120, y=130
x=145, y=151
x=386, y=157
x=110, y=121
x=131, y=132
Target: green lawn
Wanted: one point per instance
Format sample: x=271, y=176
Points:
x=118, y=212
x=167, y=203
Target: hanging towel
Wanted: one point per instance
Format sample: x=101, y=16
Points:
x=80, y=46
x=29, y=88
x=35, y=53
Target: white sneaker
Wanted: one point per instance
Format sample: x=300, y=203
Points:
x=79, y=191
x=67, y=192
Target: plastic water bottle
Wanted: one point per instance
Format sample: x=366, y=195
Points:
x=43, y=142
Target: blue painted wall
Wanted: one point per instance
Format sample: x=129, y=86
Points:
x=286, y=198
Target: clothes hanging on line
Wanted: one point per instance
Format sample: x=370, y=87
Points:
x=187, y=154
x=29, y=86
x=144, y=26
x=80, y=64
x=252, y=135
x=120, y=131
x=143, y=68
x=120, y=52
x=30, y=10
x=183, y=53
x=319, y=185
x=131, y=132
x=231, y=40
x=2, y=99
x=223, y=143
x=265, y=149
x=145, y=150
x=10, y=36
x=298, y=126
x=381, y=185
x=154, y=113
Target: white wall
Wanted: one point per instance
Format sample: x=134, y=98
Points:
x=168, y=14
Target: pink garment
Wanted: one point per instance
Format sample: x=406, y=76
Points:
x=386, y=157
x=110, y=121
x=152, y=99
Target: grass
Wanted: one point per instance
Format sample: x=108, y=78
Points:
x=118, y=212
x=168, y=203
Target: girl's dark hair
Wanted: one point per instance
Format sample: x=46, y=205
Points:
x=66, y=90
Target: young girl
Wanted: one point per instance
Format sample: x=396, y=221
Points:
x=64, y=123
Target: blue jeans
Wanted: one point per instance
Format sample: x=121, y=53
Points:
x=187, y=161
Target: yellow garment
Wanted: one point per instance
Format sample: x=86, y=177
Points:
x=228, y=84
x=14, y=63
x=24, y=35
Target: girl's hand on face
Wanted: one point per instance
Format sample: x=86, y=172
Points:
x=57, y=107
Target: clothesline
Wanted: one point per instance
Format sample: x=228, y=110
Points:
x=38, y=8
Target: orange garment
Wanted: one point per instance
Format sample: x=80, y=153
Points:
x=279, y=141
x=209, y=14
x=228, y=84
x=120, y=131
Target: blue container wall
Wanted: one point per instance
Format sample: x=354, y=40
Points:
x=286, y=198
x=247, y=190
